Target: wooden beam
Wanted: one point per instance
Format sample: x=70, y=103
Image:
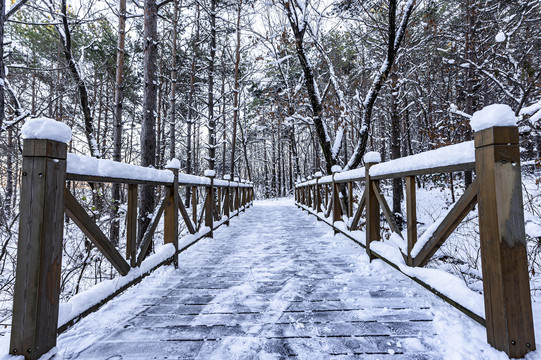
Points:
x=131, y=221
x=170, y=217
x=411, y=214
x=147, y=237
x=462, y=207
x=504, y=259
x=373, y=231
x=189, y=224
x=194, y=205
x=386, y=210
x=39, y=249
x=355, y=223
x=79, y=216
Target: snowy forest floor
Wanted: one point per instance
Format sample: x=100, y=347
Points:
x=274, y=284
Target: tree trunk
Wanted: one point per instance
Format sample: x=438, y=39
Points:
x=470, y=73
x=189, y=117
x=212, y=58
x=81, y=84
x=2, y=66
x=148, y=131
x=117, y=115
x=395, y=149
x=172, y=106
x=236, y=93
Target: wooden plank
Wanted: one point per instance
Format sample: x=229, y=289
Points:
x=433, y=170
x=79, y=216
x=504, y=260
x=189, y=224
x=355, y=223
x=131, y=230
x=39, y=251
x=386, y=210
x=147, y=237
x=411, y=214
x=462, y=207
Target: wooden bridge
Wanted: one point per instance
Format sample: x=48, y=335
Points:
x=274, y=283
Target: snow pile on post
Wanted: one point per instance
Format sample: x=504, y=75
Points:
x=493, y=115
x=173, y=164
x=45, y=128
x=91, y=166
x=210, y=173
x=372, y=157
x=336, y=169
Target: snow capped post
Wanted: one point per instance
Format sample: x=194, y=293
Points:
x=243, y=191
x=501, y=225
x=227, y=200
x=317, y=204
x=209, y=203
x=237, y=198
x=372, y=203
x=170, y=219
x=309, y=192
x=336, y=207
x=39, y=249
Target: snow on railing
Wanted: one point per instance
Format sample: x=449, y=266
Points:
x=433, y=161
x=88, y=166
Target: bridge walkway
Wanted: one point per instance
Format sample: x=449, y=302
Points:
x=274, y=284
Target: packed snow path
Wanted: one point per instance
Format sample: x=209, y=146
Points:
x=274, y=284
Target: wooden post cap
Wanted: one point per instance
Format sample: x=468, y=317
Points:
x=500, y=135
x=45, y=148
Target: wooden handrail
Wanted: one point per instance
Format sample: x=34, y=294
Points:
x=44, y=198
x=497, y=192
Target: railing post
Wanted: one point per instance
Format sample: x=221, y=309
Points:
x=372, y=209
x=309, y=200
x=170, y=218
x=237, y=197
x=209, y=204
x=350, y=200
x=504, y=260
x=39, y=249
x=131, y=225
x=411, y=215
x=194, y=206
x=243, y=196
x=317, y=203
x=326, y=196
x=336, y=206
x=227, y=200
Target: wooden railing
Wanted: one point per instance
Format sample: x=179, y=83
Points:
x=45, y=198
x=497, y=191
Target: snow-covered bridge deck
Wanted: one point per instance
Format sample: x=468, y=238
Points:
x=274, y=284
